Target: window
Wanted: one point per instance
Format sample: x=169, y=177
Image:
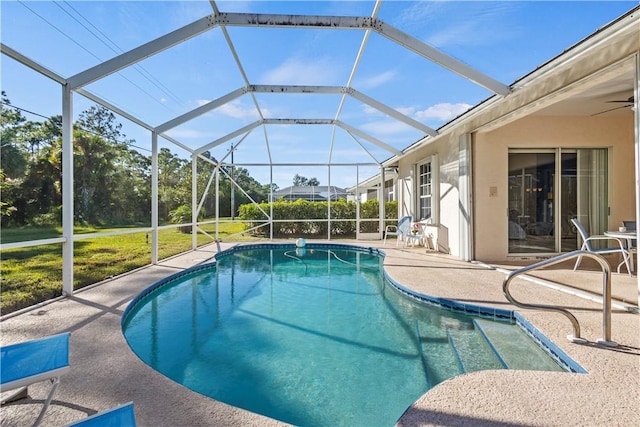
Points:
x=425, y=190
x=389, y=190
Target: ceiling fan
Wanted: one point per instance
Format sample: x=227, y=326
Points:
x=629, y=101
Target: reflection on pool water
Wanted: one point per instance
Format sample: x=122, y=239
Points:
x=311, y=336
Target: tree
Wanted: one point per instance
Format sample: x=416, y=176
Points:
x=171, y=174
x=12, y=161
x=100, y=121
x=112, y=181
x=300, y=180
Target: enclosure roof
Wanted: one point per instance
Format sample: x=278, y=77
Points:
x=310, y=192
x=284, y=82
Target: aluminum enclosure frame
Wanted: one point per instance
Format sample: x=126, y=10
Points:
x=77, y=83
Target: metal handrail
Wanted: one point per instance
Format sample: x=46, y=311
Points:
x=606, y=294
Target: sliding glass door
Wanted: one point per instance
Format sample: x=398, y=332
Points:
x=549, y=187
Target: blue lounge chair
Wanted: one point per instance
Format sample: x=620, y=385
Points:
x=122, y=416
x=30, y=362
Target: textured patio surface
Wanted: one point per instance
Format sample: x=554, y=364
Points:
x=105, y=373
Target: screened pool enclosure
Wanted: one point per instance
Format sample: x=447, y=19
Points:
x=336, y=130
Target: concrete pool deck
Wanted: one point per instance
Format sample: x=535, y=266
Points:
x=105, y=373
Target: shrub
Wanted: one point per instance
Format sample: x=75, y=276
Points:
x=182, y=215
x=304, y=212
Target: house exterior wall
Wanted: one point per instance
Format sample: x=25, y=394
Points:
x=490, y=166
x=446, y=205
x=500, y=123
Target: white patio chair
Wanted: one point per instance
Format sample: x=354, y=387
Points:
x=588, y=246
x=399, y=230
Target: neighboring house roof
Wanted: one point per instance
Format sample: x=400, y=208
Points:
x=314, y=193
x=374, y=181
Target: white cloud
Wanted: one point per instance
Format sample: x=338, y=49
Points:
x=377, y=80
x=385, y=127
x=189, y=134
x=418, y=13
x=444, y=111
x=296, y=71
x=466, y=24
x=370, y=111
x=235, y=109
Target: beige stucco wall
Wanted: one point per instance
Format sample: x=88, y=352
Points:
x=490, y=169
x=446, y=150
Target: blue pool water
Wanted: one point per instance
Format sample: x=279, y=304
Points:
x=312, y=336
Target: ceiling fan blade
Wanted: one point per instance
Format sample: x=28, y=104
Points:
x=628, y=100
x=611, y=109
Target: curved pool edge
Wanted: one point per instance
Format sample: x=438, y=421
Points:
x=497, y=314
x=491, y=313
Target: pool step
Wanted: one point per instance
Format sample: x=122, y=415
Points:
x=437, y=356
x=473, y=351
x=514, y=347
x=469, y=347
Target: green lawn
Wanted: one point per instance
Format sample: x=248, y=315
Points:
x=34, y=274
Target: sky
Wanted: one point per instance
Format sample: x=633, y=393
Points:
x=504, y=40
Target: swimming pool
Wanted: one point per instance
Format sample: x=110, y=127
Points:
x=310, y=336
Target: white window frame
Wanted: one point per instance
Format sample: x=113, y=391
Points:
x=432, y=185
x=390, y=195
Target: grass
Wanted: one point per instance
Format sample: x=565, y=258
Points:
x=34, y=274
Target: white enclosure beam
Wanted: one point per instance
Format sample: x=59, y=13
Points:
x=381, y=210
x=368, y=137
x=312, y=21
x=161, y=129
x=364, y=149
x=141, y=52
x=298, y=121
x=267, y=144
x=228, y=137
x=392, y=112
x=196, y=112
x=433, y=54
x=67, y=190
x=194, y=202
x=234, y=53
x=363, y=23
x=374, y=163
x=176, y=142
x=343, y=98
x=113, y=108
x=253, y=125
x=31, y=64
x=297, y=89
x=154, y=197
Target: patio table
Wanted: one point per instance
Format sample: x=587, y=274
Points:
x=628, y=237
x=428, y=239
